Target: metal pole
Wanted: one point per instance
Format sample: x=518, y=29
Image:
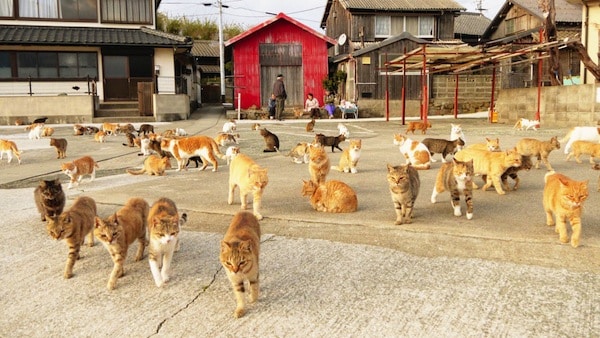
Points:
x=456, y=97
x=221, y=52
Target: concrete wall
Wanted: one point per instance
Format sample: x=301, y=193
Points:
x=169, y=108
x=58, y=109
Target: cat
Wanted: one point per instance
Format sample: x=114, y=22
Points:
x=110, y=128
x=343, y=130
x=527, y=124
x=49, y=198
x=35, y=133
x=196, y=159
x=584, y=147
x=310, y=126
x=350, y=157
x=490, y=163
x=231, y=153
x=418, y=125
x=224, y=139
x=299, y=153
x=540, y=149
x=580, y=134
x=153, y=165
x=442, y=146
x=489, y=145
x=79, y=130
x=73, y=226
x=331, y=196
x=100, y=136
x=120, y=230
x=91, y=130
x=239, y=256
x=255, y=126
x=47, y=131
x=456, y=132
x=271, y=141
x=10, y=148
x=78, y=168
x=229, y=127
x=130, y=138
x=513, y=172
x=456, y=177
x=127, y=128
x=184, y=148
x=145, y=129
x=415, y=152
x=318, y=164
x=333, y=141
x=563, y=199
x=250, y=178
x=61, y=147
x=597, y=167
x=164, y=224
x=174, y=132
x=404, y=183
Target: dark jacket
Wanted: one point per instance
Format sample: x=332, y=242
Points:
x=279, y=89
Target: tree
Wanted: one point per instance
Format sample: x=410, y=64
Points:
x=196, y=29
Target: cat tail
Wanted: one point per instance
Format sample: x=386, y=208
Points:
x=136, y=172
x=551, y=172
x=567, y=137
x=216, y=150
x=335, y=167
x=182, y=219
x=422, y=166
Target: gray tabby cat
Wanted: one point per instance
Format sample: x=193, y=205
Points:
x=404, y=186
x=457, y=178
x=442, y=146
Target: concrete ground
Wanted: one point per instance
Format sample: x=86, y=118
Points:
x=503, y=273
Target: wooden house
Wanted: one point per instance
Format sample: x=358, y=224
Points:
x=280, y=45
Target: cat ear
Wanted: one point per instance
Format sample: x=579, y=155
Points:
x=390, y=167
x=97, y=222
x=225, y=246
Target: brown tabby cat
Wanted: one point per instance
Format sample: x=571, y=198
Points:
x=153, y=165
x=239, y=256
x=540, y=149
x=418, y=125
x=584, y=147
x=333, y=141
x=72, y=226
x=250, y=178
x=47, y=131
x=127, y=128
x=331, y=196
x=49, y=198
x=318, y=165
x=184, y=148
x=130, y=138
x=490, y=163
x=79, y=167
x=61, y=147
x=310, y=126
x=404, y=186
x=350, y=157
x=442, y=146
x=563, y=199
x=10, y=148
x=456, y=177
x=119, y=231
x=271, y=141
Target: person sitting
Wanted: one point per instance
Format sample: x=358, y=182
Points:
x=312, y=105
x=329, y=103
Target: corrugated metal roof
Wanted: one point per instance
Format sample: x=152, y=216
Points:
x=89, y=36
x=205, y=48
x=210, y=69
x=402, y=5
x=565, y=11
x=471, y=24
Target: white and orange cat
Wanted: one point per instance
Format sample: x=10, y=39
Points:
x=318, y=163
x=153, y=165
x=184, y=148
x=100, y=136
x=35, y=131
x=111, y=128
x=78, y=168
x=350, y=157
x=224, y=139
x=563, y=199
x=299, y=153
x=231, y=153
x=229, y=127
x=250, y=178
x=414, y=152
x=9, y=148
x=331, y=196
x=240, y=257
x=456, y=133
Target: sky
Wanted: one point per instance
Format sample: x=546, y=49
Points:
x=252, y=12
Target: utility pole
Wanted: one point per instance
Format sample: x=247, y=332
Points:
x=220, y=5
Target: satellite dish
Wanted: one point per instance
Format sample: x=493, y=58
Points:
x=342, y=39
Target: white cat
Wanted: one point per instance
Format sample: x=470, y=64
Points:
x=145, y=146
x=36, y=132
x=180, y=132
x=343, y=130
x=527, y=124
x=591, y=134
x=415, y=152
x=455, y=133
x=231, y=152
x=229, y=127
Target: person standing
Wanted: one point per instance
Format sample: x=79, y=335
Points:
x=272, y=106
x=280, y=96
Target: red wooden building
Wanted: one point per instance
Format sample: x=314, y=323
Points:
x=280, y=45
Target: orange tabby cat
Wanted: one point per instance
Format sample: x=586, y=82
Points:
x=224, y=139
x=349, y=158
x=318, y=165
x=239, y=256
x=100, y=136
x=119, y=231
x=110, y=128
x=184, y=148
x=490, y=163
x=418, y=125
x=563, y=199
x=331, y=196
x=10, y=148
x=47, y=131
x=540, y=149
x=79, y=167
x=584, y=147
x=72, y=226
x=153, y=165
x=250, y=178
x=490, y=144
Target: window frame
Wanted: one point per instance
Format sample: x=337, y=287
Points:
x=54, y=63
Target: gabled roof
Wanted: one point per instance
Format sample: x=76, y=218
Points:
x=89, y=36
x=205, y=48
x=389, y=41
x=471, y=24
x=278, y=17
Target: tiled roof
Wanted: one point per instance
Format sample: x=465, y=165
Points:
x=205, y=48
x=89, y=36
x=402, y=5
x=471, y=24
x=565, y=12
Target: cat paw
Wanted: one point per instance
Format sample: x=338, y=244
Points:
x=469, y=215
x=574, y=242
x=258, y=216
x=159, y=283
x=238, y=313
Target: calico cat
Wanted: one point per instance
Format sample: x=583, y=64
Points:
x=310, y=126
x=184, y=148
x=153, y=165
x=586, y=148
x=120, y=230
x=164, y=225
x=318, y=165
x=10, y=148
x=240, y=257
x=489, y=145
x=563, y=199
x=250, y=178
x=49, y=198
x=231, y=153
x=456, y=177
x=415, y=152
x=404, y=184
x=78, y=130
x=490, y=163
x=72, y=226
x=78, y=168
x=418, y=125
x=223, y=139
x=540, y=149
x=271, y=141
x=349, y=158
x=61, y=147
x=100, y=136
x=299, y=153
x=146, y=129
x=331, y=196
x=110, y=128
x=333, y=141
x=513, y=172
x=442, y=146
x=47, y=131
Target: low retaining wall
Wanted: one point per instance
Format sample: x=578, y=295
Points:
x=58, y=109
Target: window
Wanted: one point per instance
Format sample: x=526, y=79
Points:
x=67, y=10
x=5, y=65
x=49, y=65
x=383, y=26
x=426, y=26
x=420, y=26
x=6, y=8
x=127, y=11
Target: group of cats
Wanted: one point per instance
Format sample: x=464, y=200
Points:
x=37, y=130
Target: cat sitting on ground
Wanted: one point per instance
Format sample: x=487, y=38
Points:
x=240, y=257
x=119, y=231
x=310, y=126
x=250, y=178
x=78, y=168
x=47, y=131
x=456, y=132
x=441, y=146
x=271, y=141
x=10, y=148
x=350, y=157
x=414, y=152
x=418, y=125
x=456, y=177
x=299, y=153
x=79, y=130
x=333, y=141
x=318, y=165
x=153, y=165
x=539, y=149
x=184, y=148
x=584, y=148
x=563, y=199
x=404, y=184
x=91, y=130
x=100, y=136
x=61, y=147
x=73, y=226
x=331, y=196
x=49, y=198
x=130, y=140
